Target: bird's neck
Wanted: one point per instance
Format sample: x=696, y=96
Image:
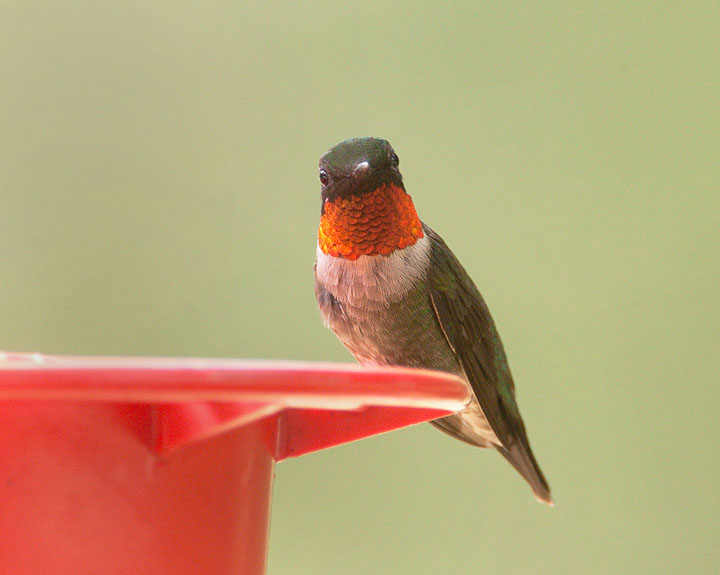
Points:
x=376, y=223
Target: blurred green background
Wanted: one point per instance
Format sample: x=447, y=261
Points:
x=159, y=196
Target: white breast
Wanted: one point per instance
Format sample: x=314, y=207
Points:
x=376, y=279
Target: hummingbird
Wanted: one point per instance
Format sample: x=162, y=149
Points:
x=395, y=295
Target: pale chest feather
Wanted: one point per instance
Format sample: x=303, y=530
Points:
x=375, y=281
x=380, y=309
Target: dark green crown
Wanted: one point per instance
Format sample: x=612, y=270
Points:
x=345, y=156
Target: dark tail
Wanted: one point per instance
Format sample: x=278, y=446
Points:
x=521, y=457
x=519, y=454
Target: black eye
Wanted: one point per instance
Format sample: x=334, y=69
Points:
x=324, y=178
x=394, y=159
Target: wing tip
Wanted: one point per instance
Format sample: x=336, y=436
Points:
x=523, y=460
x=544, y=496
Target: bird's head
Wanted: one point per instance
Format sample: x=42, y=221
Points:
x=365, y=209
x=358, y=166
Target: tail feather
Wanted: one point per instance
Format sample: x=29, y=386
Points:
x=466, y=428
x=521, y=458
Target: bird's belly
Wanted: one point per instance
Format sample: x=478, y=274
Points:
x=404, y=333
x=380, y=309
x=407, y=334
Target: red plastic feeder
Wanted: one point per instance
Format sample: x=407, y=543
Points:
x=165, y=466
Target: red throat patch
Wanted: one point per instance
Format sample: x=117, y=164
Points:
x=377, y=223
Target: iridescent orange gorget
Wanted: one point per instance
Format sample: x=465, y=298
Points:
x=377, y=223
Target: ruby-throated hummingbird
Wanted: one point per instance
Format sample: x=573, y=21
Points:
x=395, y=294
